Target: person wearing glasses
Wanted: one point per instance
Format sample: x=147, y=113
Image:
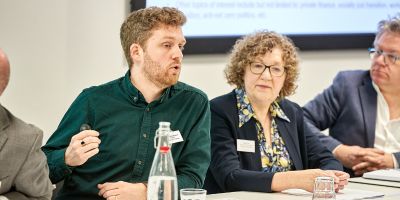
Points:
x=361, y=109
x=259, y=141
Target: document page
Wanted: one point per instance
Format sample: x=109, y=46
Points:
x=384, y=174
x=345, y=194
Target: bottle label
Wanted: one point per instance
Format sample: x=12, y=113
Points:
x=175, y=137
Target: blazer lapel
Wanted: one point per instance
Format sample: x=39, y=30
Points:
x=368, y=98
x=291, y=141
x=4, y=123
x=249, y=132
x=3, y=139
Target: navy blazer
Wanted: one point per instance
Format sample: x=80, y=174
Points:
x=231, y=170
x=348, y=108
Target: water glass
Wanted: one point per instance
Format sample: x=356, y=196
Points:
x=193, y=194
x=324, y=188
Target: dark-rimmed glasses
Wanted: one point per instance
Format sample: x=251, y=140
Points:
x=259, y=68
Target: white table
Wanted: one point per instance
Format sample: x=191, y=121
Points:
x=391, y=193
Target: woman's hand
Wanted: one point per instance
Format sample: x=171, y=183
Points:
x=341, y=179
x=304, y=179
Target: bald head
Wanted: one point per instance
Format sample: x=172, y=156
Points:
x=4, y=71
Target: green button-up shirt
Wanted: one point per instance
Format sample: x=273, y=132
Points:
x=127, y=125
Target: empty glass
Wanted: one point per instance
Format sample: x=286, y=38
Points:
x=193, y=194
x=324, y=189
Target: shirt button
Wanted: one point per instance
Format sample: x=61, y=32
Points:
x=140, y=162
x=144, y=135
x=147, y=109
x=135, y=99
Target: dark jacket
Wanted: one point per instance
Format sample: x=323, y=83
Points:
x=231, y=170
x=348, y=108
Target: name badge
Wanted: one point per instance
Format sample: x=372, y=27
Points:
x=246, y=146
x=174, y=137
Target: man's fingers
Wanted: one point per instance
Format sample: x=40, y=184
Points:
x=106, y=187
x=84, y=134
x=375, y=151
x=360, y=166
x=110, y=193
x=89, y=147
x=373, y=160
x=90, y=153
x=90, y=139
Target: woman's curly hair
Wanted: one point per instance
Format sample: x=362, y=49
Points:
x=248, y=48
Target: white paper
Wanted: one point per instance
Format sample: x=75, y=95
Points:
x=345, y=194
x=384, y=174
x=174, y=137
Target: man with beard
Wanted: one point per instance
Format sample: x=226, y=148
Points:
x=362, y=108
x=113, y=159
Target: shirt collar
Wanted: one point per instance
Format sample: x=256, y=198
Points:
x=136, y=95
x=246, y=112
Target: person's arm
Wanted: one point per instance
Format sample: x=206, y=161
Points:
x=304, y=179
x=32, y=180
x=195, y=158
x=57, y=144
x=318, y=155
x=225, y=164
x=322, y=112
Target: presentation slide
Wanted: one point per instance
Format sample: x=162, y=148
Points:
x=240, y=17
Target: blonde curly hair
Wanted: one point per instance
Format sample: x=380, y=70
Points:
x=248, y=48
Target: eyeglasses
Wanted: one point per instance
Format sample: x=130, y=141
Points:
x=388, y=58
x=259, y=68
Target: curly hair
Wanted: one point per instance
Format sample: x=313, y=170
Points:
x=392, y=24
x=248, y=48
x=138, y=26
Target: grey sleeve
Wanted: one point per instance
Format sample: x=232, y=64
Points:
x=32, y=180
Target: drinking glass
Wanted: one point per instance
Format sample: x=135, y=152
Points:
x=324, y=188
x=193, y=194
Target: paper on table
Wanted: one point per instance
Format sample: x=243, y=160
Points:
x=345, y=194
x=374, y=182
x=384, y=174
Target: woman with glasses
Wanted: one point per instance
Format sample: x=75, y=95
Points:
x=259, y=140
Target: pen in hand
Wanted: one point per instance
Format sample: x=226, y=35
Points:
x=84, y=127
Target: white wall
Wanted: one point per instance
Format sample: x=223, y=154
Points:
x=59, y=47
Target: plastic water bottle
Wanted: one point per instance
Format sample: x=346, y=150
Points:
x=162, y=183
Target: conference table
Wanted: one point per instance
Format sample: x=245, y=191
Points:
x=391, y=192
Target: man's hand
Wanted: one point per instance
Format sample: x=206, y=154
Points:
x=83, y=146
x=350, y=156
x=372, y=163
x=123, y=191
